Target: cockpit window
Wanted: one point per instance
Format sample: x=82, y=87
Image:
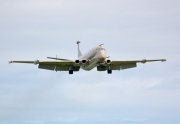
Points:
x=100, y=49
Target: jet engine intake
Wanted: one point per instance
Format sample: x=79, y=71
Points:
x=108, y=61
x=77, y=61
x=84, y=61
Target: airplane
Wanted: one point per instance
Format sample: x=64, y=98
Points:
x=96, y=57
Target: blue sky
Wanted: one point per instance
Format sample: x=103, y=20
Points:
x=131, y=29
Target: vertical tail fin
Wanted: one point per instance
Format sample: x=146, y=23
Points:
x=79, y=52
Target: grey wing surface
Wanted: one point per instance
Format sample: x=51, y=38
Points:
x=52, y=65
x=119, y=65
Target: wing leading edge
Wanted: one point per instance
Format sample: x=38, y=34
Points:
x=121, y=65
x=53, y=65
x=137, y=61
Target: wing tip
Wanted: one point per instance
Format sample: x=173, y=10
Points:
x=10, y=62
x=163, y=60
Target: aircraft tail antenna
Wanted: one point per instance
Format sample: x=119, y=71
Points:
x=79, y=52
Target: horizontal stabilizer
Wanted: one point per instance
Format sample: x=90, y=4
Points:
x=59, y=59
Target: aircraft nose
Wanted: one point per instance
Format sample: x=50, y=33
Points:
x=103, y=55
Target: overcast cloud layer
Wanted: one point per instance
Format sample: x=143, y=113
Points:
x=129, y=29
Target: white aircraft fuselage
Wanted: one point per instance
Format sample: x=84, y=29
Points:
x=94, y=56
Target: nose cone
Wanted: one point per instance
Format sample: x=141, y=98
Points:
x=102, y=56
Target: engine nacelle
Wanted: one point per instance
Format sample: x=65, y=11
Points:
x=36, y=62
x=77, y=61
x=83, y=61
x=108, y=61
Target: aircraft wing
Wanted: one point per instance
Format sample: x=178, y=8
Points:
x=52, y=65
x=118, y=65
x=27, y=62
x=136, y=61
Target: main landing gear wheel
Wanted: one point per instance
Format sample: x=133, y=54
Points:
x=70, y=71
x=109, y=71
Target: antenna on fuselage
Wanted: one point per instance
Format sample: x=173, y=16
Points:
x=101, y=44
x=79, y=52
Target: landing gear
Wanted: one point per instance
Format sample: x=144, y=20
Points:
x=109, y=71
x=70, y=71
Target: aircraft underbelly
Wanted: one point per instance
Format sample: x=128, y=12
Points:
x=92, y=64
